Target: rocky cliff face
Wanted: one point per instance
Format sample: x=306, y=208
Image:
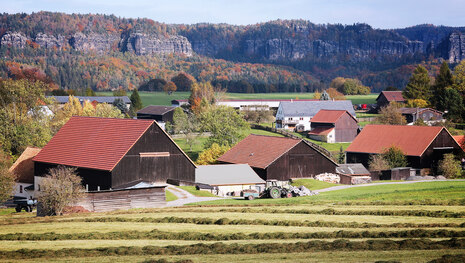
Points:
x=141, y=44
x=456, y=48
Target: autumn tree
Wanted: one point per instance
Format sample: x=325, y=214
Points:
x=394, y=157
x=391, y=115
x=7, y=178
x=418, y=86
x=61, y=187
x=211, y=155
x=202, y=96
x=185, y=124
x=226, y=125
x=257, y=114
x=348, y=86
x=169, y=87
x=119, y=92
x=183, y=81
x=90, y=92
x=334, y=94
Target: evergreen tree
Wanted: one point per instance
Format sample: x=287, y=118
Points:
x=443, y=81
x=453, y=104
x=119, y=103
x=136, y=102
x=418, y=86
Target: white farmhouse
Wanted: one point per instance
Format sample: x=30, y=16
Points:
x=297, y=114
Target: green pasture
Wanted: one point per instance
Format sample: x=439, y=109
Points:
x=162, y=98
x=391, y=223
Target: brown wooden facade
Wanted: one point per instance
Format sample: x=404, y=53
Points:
x=442, y=144
x=154, y=158
x=345, y=128
x=302, y=161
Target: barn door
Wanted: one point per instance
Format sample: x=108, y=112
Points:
x=300, y=165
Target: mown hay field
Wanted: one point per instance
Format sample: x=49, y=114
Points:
x=354, y=228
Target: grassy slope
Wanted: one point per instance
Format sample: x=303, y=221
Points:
x=170, y=196
x=82, y=234
x=192, y=190
x=312, y=184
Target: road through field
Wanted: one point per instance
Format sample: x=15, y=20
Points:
x=185, y=197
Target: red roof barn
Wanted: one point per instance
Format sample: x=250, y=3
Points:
x=386, y=97
x=333, y=126
x=423, y=145
x=279, y=158
x=111, y=153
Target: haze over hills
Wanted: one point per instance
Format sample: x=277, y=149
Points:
x=299, y=50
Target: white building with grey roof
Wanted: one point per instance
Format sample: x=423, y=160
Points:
x=297, y=114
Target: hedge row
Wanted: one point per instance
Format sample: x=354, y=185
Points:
x=227, y=221
x=221, y=248
x=163, y=235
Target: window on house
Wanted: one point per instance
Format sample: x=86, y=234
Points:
x=301, y=118
x=155, y=154
x=290, y=119
x=20, y=189
x=38, y=187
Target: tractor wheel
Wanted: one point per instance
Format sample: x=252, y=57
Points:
x=18, y=208
x=250, y=197
x=275, y=192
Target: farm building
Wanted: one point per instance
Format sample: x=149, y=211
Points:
x=298, y=114
x=424, y=146
x=270, y=104
x=353, y=173
x=460, y=139
x=386, y=97
x=115, y=153
x=93, y=99
x=333, y=126
x=279, y=158
x=229, y=179
x=161, y=114
x=426, y=114
x=23, y=168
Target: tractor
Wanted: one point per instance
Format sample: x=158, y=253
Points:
x=273, y=190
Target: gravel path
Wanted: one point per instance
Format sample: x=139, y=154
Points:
x=185, y=197
x=339, y=187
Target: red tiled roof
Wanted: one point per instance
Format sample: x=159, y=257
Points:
x=321, y=131
x=23, y=168
x=460, y=139
x=412, y=140
x=329, y=116
x=258, y=150
x=392, y=95
x=95, y=143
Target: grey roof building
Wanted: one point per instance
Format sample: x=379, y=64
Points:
x=157, y=112
x=227, y=174
x=310, y=108
x=352, y=169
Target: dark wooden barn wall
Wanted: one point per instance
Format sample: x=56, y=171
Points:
x=364, y=158
x=302, y=161
x=132, y=167
x=345, y=129
x=158, y=117
x=382, y=101
x=92, y=178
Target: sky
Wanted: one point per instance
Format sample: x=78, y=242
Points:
x=377, y=13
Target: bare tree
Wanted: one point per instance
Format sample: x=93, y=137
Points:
x=61, y=187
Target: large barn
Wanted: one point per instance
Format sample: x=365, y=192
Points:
x=333, y=126
x=115, y=153
x=424, y=146
x=279, y=158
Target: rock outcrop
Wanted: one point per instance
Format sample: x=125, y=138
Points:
x=94, y=42
x=456, y=48
x=14, y=39
x=143, y=44
x=47, y=41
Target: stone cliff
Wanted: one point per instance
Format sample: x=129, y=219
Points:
x=456, y=49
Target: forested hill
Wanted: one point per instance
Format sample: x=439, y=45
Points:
x=105, y=52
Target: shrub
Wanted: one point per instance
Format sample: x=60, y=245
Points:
x=394, y=157
x=450, y=167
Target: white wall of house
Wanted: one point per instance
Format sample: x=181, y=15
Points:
x=290, y=122
x=244, y=104
x=225, y=190
x=331, y=137
x=22, y=192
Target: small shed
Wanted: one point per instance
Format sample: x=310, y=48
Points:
x=333, y=126
x=109, y=153
x=426, y=114
x=23, y=168
x=424, y=146
x=157, y=112
x=386, y=97
x=353, y=173
x=279, y=158
x=229, y=179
